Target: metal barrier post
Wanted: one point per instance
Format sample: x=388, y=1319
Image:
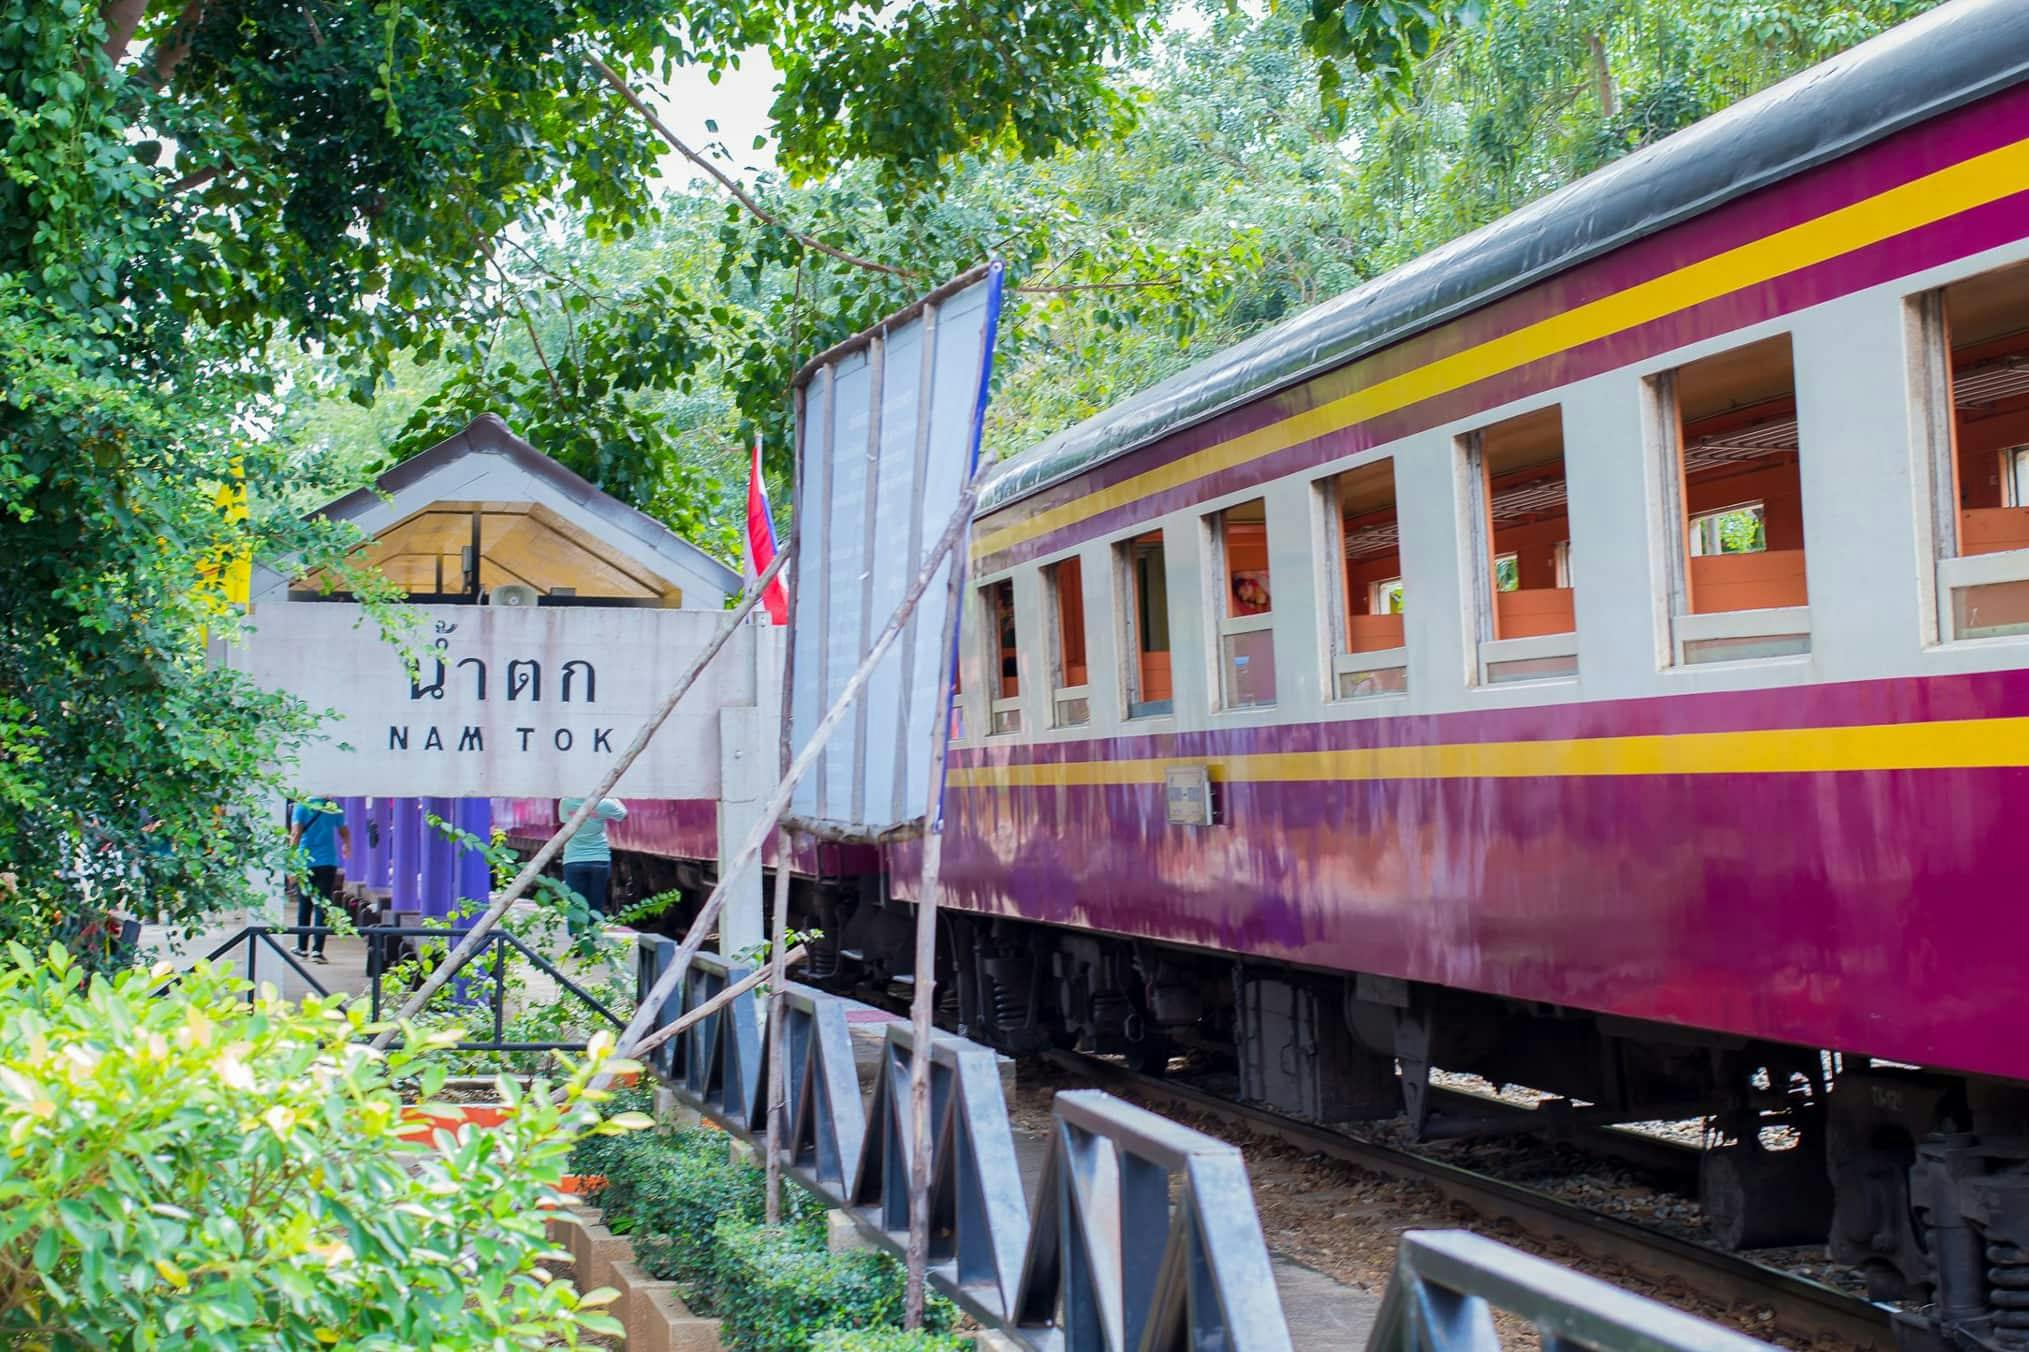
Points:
x=1448, y=1283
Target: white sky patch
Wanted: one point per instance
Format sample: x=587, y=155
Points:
x=738, y=104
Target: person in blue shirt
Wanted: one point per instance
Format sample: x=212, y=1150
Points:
x=588, y=858
x=317, y=828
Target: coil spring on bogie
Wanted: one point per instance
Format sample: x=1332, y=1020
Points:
x=2008, y=1292
x=1010, y=1006
x=1111, y=1010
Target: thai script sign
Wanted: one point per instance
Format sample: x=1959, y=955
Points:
x=503, y=701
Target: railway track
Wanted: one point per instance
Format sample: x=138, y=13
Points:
x=1802, y=1308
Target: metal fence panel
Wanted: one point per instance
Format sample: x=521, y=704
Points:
x=1448, y=1283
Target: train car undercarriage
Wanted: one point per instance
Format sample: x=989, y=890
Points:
x=1918, y=1178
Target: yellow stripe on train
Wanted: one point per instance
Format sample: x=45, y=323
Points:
x=1977, y=743
x=1934, y=197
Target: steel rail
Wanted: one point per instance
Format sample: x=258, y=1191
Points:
x=1802, y=1308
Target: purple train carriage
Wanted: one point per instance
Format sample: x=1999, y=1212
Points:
x=1594, y=656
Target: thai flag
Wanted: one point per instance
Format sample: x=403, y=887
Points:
x=761, y=539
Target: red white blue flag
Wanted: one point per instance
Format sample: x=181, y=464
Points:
x=761, y=539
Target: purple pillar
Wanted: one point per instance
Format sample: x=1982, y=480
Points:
x=355, y=832
x=474, y=816
x=440, y=872
x=405, y=854
x=380, y=822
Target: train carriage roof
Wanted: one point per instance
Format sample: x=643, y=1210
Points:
x=1954, y=55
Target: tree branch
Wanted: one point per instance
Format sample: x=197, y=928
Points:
x=527, y=320
x=121, y=18
x=1062, y=287
x=175, y=45
x=196, y=178
x=730, y=184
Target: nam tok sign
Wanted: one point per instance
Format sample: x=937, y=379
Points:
x=510, y=702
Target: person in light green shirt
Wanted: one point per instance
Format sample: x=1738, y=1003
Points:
x=588, y=856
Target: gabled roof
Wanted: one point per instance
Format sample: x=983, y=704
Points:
x=486, y=468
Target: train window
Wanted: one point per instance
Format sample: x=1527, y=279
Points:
x=1070, y=702
x=1146, y=670
x=1243, y=605
x=1520, y=525
x=1975, y=362
x=1004, y=686
x=1726, y=427
x=1367, y=647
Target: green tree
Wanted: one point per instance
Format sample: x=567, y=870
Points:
x=188, y=185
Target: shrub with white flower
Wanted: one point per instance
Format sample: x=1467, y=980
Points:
x=182, y=1168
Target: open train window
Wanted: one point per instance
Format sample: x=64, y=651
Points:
x=1243, y=606
x=1145, y=584
x=1725, y=428
x=1519, y=527
x=1004, y=685
x=1070, y=701
x=1368, y=652
x=1973, y=341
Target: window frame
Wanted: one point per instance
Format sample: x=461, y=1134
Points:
x=1341, y=661
x=1128, y=553
x=997, y=704
x=1218, y=592
x=1493, y=656
x=1663, y=433
x=1062, y=694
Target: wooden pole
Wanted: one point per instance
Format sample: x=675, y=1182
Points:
x=716, y=1003
x=923, y=997
x=778, y=1074
x=778, y=802
x=530, y=871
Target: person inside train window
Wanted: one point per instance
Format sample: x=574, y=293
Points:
x=1522, y=521
x=1979, y=425
x=1368, y=653
x=1142, y=565
x=1735, y=416
x=1246, y=634
x=1064, y=584
x=1005, y=686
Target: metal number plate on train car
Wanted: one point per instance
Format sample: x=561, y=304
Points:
x=1187, y=795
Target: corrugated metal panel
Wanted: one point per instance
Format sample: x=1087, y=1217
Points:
x=1950, y=57
x=885, y=446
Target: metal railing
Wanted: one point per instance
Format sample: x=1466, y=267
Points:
x=1448, y=1283
x=486, y=987
x=1087, y=1274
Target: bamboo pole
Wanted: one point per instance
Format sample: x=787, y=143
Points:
x=717, y=1003
x=778, y=1074
x=778, y=802
x=475, y=936
x=922, y=998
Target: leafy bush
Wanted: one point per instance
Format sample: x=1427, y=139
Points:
x=886, y=1340
x=780, y=1288
x=594, y=1154
x=182, y=1168
x=668, y=1193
